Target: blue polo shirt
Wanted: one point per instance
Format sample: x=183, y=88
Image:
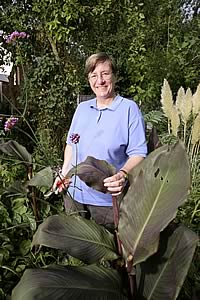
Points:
x=114, y=134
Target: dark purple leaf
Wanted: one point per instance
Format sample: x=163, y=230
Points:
x=93, y=171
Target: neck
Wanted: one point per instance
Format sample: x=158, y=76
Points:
x=101, y=103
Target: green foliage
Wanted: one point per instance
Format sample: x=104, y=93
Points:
x=85, y=282
x=149, y=45
x=79, y=237
x=17, y=216
x=13, y=148
x=156, y=190
x=151, y=202
x=17, y=224
x=181, y=243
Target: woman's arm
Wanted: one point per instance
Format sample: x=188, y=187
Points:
x=67, y=159
x=60, y=182
x=132, y=162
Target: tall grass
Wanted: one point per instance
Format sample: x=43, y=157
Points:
x=183, y=115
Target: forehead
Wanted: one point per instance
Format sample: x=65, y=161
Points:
x=102, y=66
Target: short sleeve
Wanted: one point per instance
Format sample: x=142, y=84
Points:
x=136, y=133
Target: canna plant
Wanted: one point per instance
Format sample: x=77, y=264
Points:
x=153, y=254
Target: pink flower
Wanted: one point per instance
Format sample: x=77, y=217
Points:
x=10, y=123
x=16, y=35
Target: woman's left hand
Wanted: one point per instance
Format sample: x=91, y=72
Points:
x=116, y=183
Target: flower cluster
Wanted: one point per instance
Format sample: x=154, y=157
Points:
x=75, y=138
x=10, y=123
x=16, y=35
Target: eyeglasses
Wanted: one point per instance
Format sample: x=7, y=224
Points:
x=103, y=75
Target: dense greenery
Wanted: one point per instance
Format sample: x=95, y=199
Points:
x=150, y=40
x=156, y=186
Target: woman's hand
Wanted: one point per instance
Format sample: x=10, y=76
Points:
x=61, y=183
x=116, y=183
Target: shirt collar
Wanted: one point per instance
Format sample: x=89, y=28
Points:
x=117, y=100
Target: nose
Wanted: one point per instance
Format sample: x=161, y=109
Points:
x=100, y=79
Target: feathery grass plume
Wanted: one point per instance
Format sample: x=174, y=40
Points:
x=196, y=101
x=195, y=141
x=180, y=98
x=196, y=130
x=166, y=99
x=175, y=120
x=186, y=107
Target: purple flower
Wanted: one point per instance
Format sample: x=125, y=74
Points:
x=75, y=137
x=22, y=34
x=10, y=123
x=16, y=35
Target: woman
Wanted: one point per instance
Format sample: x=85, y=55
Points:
x=110, y=128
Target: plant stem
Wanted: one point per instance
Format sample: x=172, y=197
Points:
x=75, y=174
x=132, y=279
x=33, y=195
x=116, y=222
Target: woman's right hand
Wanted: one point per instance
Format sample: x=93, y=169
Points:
x=60, y=184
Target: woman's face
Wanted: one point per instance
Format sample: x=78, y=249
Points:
x=102, y=81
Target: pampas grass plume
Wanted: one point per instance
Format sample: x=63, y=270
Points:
x=196, y=101
x=186, y=108
x=175, y=120
x=167, y=99
x=180, y=98
x=196, y=130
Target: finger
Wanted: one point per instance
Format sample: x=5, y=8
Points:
x=115, y=177
x=115, y=189
x=115, y=183
x=61, y=188
x=116, y=194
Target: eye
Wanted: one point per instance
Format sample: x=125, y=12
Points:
x=93, y=76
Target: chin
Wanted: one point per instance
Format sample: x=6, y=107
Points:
x=103, y=96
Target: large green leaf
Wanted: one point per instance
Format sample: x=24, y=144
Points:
x=42, y=178
x=162, y=275
x=63, y=283
x=16, y=189
x=93, y=171
x=81, y=238
x=158, y=186
x=13, y=148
